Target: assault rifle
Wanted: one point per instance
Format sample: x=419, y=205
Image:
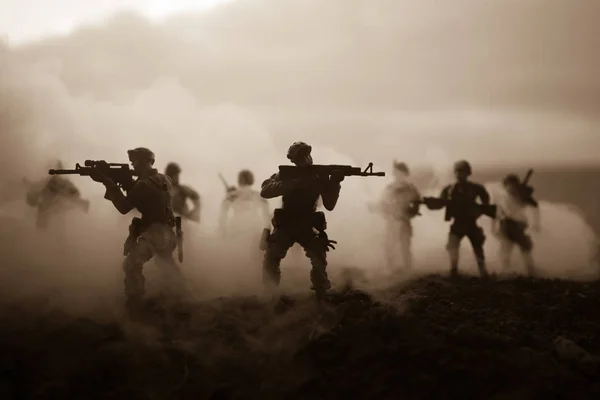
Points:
x=294, y=171
x=526, y=190
x=476, y=209
x=228, y=188
x=121, y=174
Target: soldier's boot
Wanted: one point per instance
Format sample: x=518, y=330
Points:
x=482, y=269
x=271, y=271
x=529, y=264
x=319, y=279
x=453, y=266
x=481, y=265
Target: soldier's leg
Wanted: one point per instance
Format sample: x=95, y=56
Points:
x=279, y=244
x=406, y=233
x=526, y=246
x=390, y=244
x=506, y=248
x=477, y=239
x=453, y=246
x=171, y=272
x=140, y=253
x=315, y=248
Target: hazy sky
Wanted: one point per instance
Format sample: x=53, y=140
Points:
x=494, y=80
x=26, y=20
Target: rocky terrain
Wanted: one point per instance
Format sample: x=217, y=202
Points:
x=429, y=338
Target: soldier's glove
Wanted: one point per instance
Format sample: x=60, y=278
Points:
x=328, y=243
x=336, y=176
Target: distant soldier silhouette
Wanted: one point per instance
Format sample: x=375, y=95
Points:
x=399, y=203
x=244, y=210
x=512, y=222
x=180, y=194
x=52, y=196
x=297, y=221
x=460, y=202
x=152, y=234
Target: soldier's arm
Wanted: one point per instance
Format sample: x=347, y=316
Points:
x=122, y=203
x=264, y=205
x=194, y=196
x=438, y=203
x=272, y=187
x=483, y=194
x=536, y=218
x=330, y=194
x=71, y=189
x=224, y=214
x=384, y=204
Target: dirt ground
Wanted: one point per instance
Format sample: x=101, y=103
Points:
x=432, y=338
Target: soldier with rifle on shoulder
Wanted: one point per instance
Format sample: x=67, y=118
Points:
x=512, y=222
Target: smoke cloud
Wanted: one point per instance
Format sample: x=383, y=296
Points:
x=129, y=83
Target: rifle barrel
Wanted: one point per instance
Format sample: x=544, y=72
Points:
x=64, y=172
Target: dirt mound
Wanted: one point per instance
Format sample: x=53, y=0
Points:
x=431, y=338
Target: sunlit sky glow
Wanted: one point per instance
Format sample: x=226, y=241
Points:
x=29, y=20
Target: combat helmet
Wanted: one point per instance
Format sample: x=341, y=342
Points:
x=245, y=178
x=298, y=150
x=141, y=153
x=511, y=179
x=401, y=166
x=462, y=165
x=172, y=169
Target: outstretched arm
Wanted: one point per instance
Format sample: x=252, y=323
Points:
x=438, y=203
x=194, y=196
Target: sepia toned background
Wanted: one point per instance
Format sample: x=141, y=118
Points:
x=220, y=86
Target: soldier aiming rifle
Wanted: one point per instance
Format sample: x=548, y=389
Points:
x=152, y=234
x=297, y=221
